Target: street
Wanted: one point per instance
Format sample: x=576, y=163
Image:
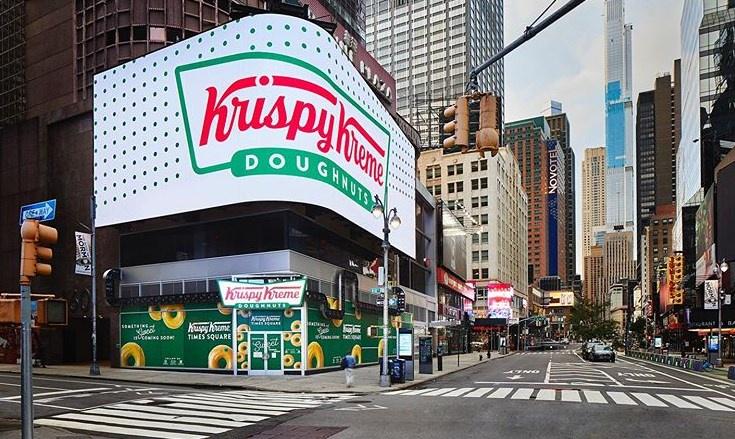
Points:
x=551, y=393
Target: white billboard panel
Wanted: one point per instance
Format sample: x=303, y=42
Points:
x=265, y=108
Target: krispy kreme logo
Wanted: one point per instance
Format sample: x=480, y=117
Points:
x=297, y=122
x=237, y=293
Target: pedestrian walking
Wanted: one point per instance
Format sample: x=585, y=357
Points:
x=348, y=364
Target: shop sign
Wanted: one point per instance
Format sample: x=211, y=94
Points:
x=454, y=283
x=264, y=108
x=274, y=295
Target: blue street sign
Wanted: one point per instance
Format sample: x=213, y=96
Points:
x=376, y=291
x=43, y=211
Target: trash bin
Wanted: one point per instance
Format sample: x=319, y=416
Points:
x=397, y=368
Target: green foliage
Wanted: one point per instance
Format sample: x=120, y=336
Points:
x=589, y=322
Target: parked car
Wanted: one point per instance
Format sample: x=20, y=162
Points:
x=602, y=353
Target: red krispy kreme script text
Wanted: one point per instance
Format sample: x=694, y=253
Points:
x=227, y=112
x=262, y=293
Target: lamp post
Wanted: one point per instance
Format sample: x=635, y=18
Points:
x=719, y=270
x=390, y=220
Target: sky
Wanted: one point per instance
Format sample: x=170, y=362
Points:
x=566, y=63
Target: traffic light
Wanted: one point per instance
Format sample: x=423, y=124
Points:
x=487, y=138
x=110, y=276
x=458, y=125
x=35, y=236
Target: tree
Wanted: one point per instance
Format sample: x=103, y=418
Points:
x=638, y=329
x=589, y=322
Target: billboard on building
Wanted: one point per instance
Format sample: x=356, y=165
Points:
x=499, y=300
x=705, y=243
x=561, y=298
x=265, y=108
x=453, y=243
x=555, y=185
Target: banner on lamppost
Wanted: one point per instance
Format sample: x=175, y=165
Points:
x=710, y=294
x=83, y=265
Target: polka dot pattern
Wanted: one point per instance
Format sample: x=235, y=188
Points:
x=141, y=145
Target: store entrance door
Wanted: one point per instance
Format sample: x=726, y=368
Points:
x=266, y=350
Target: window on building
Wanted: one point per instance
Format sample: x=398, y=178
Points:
x=475, y=273
x=475, y=202
x=485, y=255
x=459, y=169
x=460, y=186
x=483, y=183
x=483, y=201
x=450, y=188
x=475, y=238
x=485, y=273
x=483, y=219
x=434, y=171
x=475, y=184
x=450, y=170
x=476, y=256
x=474, y=166
x=483, y=165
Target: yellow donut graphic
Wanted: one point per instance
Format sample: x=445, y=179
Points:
x=224, y=310
x=241, y=356
x=243, y=347
x=333, y=303
x=173, y=315
x=296, y=325
x=358, y=314
x=314, y=356
x=286, y=336
x=132, y=351
x=297, y=365
x=244, y=365
x=154, y=312
x=288, y=360
x=288, y=313
x=357, y=353
x=296, y=340
x=219, y=353
x=242, y=332
x=380, y=349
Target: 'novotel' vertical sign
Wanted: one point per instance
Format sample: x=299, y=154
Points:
x=552, y=201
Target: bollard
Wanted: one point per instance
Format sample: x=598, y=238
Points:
x=480, y=357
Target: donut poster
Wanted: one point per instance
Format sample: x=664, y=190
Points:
x=192, y=336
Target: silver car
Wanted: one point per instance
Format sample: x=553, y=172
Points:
x=602, y=353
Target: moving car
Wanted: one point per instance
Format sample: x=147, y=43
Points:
x=587, y=348
x=602, y=353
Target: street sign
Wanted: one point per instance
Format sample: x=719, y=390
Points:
x=376, y=291
x=42, y=211
x=392, y=283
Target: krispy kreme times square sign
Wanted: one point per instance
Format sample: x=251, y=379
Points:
x=277, y=295
x=265, y=108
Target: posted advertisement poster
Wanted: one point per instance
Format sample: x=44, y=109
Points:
x=83, y=264
x=710, y=294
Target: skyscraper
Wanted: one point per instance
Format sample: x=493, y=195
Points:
x=430, y=46
x=542, y=164
x=619, y=134
x=559, y=129
x=593, y=195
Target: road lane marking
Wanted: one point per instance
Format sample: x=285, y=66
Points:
x=438, y=391
x=648, y=400
x=546, y=395
x=500, y=393
x=140, y=423
x=677, y=378
x=214, y=403
x=397, y=392
x=419, y=392
x=35, y=387
x=238, y=410
x=172, y=418
x=621, y=398
x=675, y=400
x=707, y=403
x=548, y=372
x=724, y=401
x=63, y=392
x=259, y=402
x=97, y=428
x=459, y=392
x=17, y=401
x=479, y=393
x=175, y=411
x=594, y=397
x=522, y=394
x=570, y=396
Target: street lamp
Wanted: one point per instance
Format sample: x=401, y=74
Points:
x=719, y=270
x=390, y=220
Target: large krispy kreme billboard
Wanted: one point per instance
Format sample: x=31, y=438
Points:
x=265, y=108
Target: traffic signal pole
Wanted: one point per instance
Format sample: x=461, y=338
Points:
x=26, y=377
x=530, y=32
x=94, y=368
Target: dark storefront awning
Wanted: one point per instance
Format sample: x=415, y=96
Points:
x=700, y=318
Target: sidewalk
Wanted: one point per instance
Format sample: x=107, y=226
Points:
x=366, y=378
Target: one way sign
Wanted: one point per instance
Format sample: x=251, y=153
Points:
x=43, y=211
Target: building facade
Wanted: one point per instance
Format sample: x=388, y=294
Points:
x=619, y=129
x=487, y=196
x=542, y=164
x=171, y=262
x=593, y=195
x=618, y=258
x=593, y=275
x=430, y=46
x=559, y=129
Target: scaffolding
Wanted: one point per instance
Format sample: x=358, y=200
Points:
x=12, y=51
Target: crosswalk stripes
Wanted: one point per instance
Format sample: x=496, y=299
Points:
x=579, y=396
x=188, y=416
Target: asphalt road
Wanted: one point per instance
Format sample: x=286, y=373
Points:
x=552, y=394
